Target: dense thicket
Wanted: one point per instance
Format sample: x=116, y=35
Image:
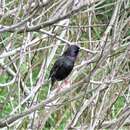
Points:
x=33, y=33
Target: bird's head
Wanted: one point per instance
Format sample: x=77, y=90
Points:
x=72, y=51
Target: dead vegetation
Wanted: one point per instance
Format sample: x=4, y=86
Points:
x=33, y=33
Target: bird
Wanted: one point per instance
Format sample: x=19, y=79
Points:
x=64, y=64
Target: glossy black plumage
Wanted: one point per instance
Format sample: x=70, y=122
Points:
x=64, y=64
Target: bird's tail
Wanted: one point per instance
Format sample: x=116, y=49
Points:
x=52, y=82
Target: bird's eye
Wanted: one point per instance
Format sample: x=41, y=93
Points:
x=76, y=51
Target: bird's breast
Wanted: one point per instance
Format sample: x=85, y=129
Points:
x=65, y=70
x=68, y=63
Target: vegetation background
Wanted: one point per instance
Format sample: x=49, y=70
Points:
x=33, y=33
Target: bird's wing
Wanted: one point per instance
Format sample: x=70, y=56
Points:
x=57, y=65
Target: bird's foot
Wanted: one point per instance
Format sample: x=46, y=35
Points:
x=66, y=82
x=59, y=88
x=63, y=85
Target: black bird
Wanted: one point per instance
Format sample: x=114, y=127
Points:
x=64, y=64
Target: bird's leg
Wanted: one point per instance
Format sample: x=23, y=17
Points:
x=63, y=85
x=66, y=82
x=59, y=86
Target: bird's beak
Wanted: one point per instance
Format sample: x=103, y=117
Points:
x=79, y=47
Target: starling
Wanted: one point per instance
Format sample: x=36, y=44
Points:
x=64, y=64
